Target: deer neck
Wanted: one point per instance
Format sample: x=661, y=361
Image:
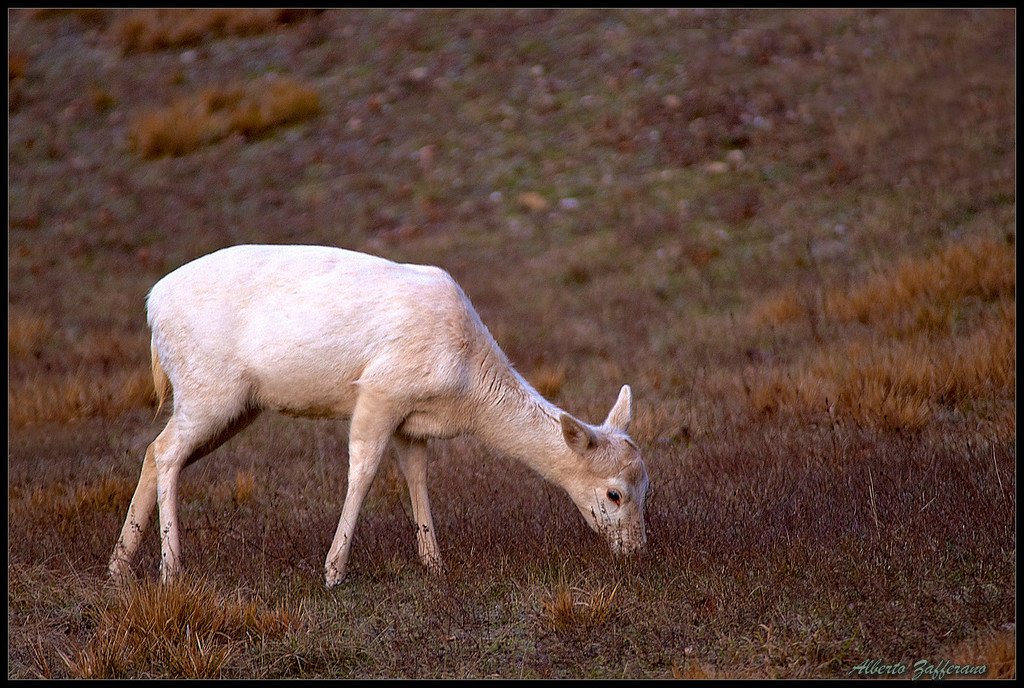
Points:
x=514, y=419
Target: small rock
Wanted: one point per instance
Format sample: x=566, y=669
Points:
x=735, y=157
x=672, y=101
x=717, y=167
x=188, y=57
x=568, y=204
x=533, y=201
x=419, y=74
x=427, y=154
x=496, y=197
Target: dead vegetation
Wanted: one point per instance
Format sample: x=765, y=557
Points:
x=27, y=333
x=579, y=609
x=932, y=334
x=160, y=29
x=185, y=629
x=250, y=110
x=69, y=396
x=994, y=649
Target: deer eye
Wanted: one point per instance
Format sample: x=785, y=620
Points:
x=614, y=496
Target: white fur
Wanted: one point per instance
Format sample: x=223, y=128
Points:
x=399, y=349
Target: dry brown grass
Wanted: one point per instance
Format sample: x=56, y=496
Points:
x=925, y=289
x=17, y=63
x=916, y=294
x=102, y=99
x=238, y=490
x=184, y=629
x=158, y=29
x=66, y=397
x=997, y=650
x=61, y=503
x=548, y=379
x=910, y=363
x=568, y=608
x=110, y=347
x=27, y=333
x=251, y=110
x=783, y=307
x=84, y=14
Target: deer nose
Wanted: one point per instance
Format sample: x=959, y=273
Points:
x=624, y=547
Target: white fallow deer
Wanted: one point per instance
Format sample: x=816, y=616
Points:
x=325, y=332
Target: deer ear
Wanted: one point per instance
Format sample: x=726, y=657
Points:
x=622, y=413
x=577, y=435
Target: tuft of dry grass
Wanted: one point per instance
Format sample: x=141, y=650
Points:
x=108, y=494
x=782, y=307
x=63, y=507
x=86, y=15
x=548, y=379
x=927, y=288
x=568, y=608
x=102, y=99
x=238, y=490
x=65, y=397
x=902, y=382
x=251, y=110
x=185, y=628
x=159, y=29
x=997, y=650
x=17, y=63
x=27, y=333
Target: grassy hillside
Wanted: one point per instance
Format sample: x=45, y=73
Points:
x=792, y=232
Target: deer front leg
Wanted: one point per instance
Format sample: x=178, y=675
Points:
x=412, y=460
x=371, y=429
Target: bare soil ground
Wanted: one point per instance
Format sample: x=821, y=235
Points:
x=792, y=232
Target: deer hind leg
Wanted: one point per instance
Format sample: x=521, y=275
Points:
x=139, y=513
x=412, y=460
x=186, y=439
x=372, y=426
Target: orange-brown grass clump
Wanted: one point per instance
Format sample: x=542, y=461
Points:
x=238, y=490
x=785, y=306
x=548, y=379
x=569, y=608
x=911, y=362
x=60, y=502
x=86, y=15
x=917, y=289
x=996, y=650
x=158, y=29
x=185, y=628
x=64, y=397
x=217, y=112
x=17, y=63
x=27, y=333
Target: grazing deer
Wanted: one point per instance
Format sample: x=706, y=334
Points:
x=325, y=332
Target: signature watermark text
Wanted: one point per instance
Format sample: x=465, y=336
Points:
x=922, y=668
